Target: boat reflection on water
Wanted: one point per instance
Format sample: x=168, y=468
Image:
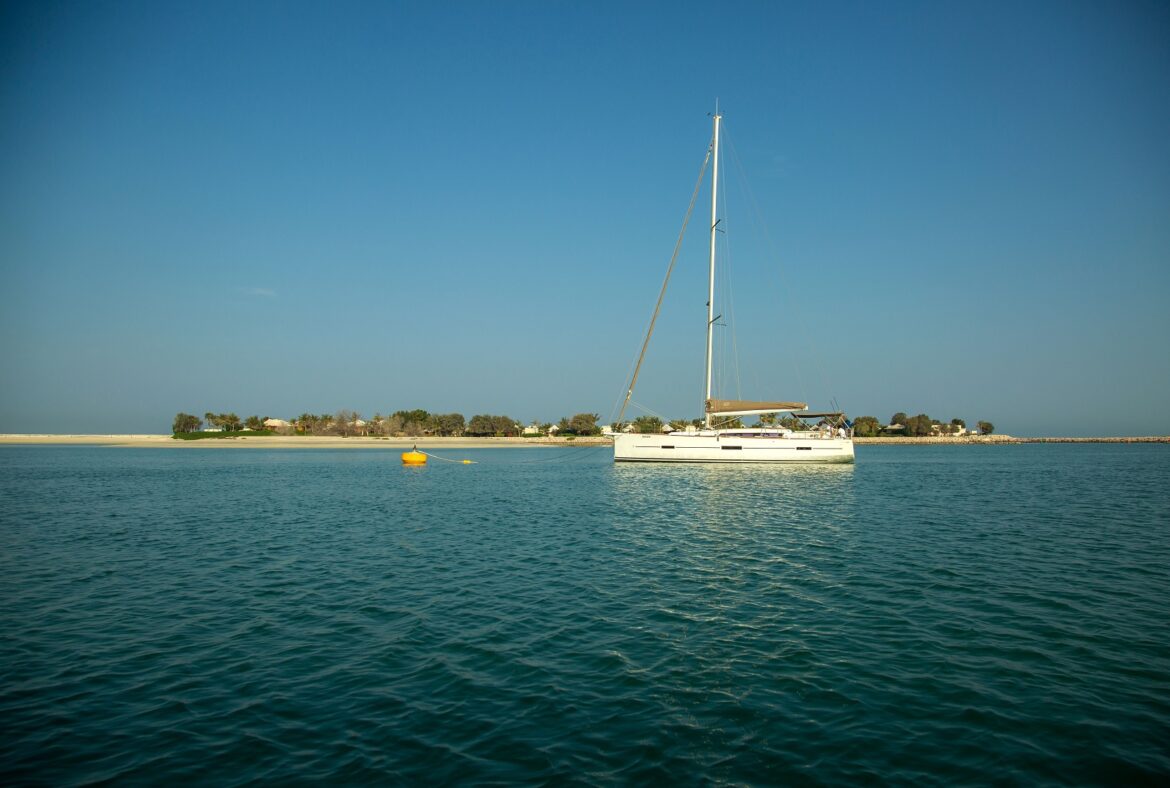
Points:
x=726, y=565
x=777, y=502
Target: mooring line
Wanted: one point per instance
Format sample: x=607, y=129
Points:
x=444, y=459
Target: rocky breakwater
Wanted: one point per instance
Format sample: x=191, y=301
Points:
x=1142, y=439
x=940, y=440
x=983, y=440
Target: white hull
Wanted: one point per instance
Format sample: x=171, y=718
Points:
x=716, y=447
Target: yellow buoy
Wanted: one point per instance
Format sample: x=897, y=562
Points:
x=414, y=457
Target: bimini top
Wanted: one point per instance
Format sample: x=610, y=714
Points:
x=743, y=407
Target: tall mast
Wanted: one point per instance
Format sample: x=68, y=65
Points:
x=711, y=276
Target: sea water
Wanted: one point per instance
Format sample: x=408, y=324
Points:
x=934, y=615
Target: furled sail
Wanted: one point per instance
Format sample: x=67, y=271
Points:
x=743, y=407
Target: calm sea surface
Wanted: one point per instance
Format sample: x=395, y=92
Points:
x=933, y=615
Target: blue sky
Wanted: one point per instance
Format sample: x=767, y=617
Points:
x=272, y=208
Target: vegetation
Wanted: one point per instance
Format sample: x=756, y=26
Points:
x=866, y=427
x=919, y=426
x=485, y=425
x=228, y=422
x=581, y=424
x=418, y=422
x=403, y=423
x=646, y=425
x=913, y=426
x=186, y=423
x=202, y=436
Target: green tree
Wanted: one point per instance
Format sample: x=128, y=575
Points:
x=185, y=422
x=228, y=422
x=584, y=424
x=899, y=418
x=448, y=424
x=254, y=423
x=414, y=422
x=985, y=427
x=485, y=424
x=507, y=426
x=866, y=427
x=647, y=425
x=918, y=426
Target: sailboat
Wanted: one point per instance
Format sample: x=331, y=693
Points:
x=829, y=440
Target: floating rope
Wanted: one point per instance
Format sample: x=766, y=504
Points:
x=444, y=459
x=573, y=454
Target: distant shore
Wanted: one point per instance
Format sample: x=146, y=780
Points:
x=243, y=440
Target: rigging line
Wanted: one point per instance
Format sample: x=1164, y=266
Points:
x=656, y=414
x=662, y=293
x=742, y=183
x=793, y=308
x=584, y=453
x=621, y=396
x=568, y=454
x=729, y=297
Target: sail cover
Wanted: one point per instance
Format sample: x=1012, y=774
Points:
x=732, y=407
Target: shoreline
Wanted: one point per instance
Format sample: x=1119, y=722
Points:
x=245, y=441
x=333, y=442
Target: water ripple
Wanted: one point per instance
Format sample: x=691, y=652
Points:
x=933, y=616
